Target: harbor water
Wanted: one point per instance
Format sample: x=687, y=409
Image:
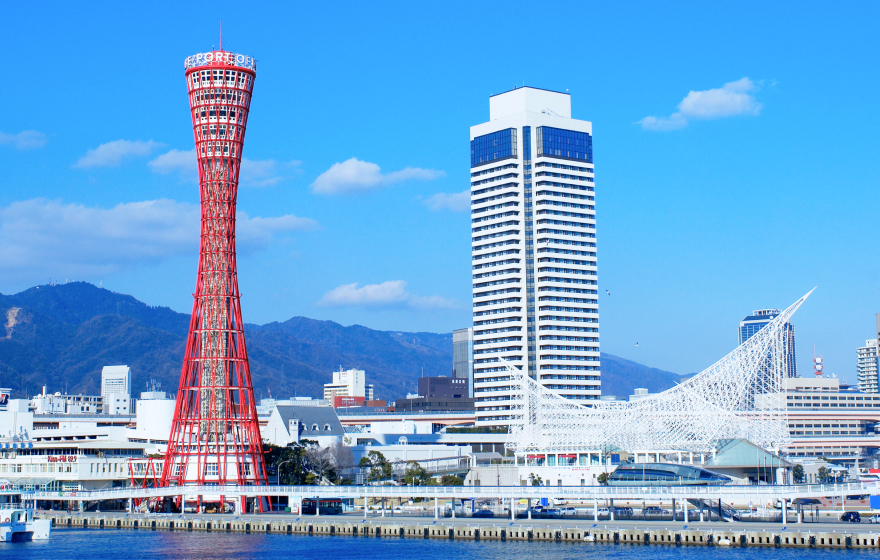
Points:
x=90, y=544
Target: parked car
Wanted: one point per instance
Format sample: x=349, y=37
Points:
x=569, y=511
x=483, y=514
x=652, y=510
x=874, y=518
x=851, y=517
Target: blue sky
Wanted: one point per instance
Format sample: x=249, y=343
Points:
x=754, y=180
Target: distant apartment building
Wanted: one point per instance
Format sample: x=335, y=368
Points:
x=463, y=356
x=867, y=366
x=533, y=244
x=867, y=362
x=349, y=383
x=116, y=389
x=753, y=323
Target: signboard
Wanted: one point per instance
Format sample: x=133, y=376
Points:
x=342, y=402
x=61, y=458
x=4, y=396
x=220, y=58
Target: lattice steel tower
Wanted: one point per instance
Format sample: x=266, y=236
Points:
x=215, y=436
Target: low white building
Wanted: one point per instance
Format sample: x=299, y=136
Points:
x=291, y=424
x=80, y=451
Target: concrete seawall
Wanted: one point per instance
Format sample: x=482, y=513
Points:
x=518, y=532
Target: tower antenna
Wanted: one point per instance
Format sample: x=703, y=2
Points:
x=221, y=34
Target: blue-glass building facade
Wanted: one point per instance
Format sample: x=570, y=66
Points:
x=493, y=147
x=565, y=144
x=753, y=323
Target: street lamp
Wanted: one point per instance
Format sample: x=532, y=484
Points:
x=278, y=470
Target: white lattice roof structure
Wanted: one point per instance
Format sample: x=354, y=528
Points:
x=740, y=396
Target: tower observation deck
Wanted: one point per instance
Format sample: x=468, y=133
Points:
x=215, y=435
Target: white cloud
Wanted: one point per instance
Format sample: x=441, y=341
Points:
x=387, y=294
x=41, y=238
x=733, y=99
x=177, y=161
x=354, y=176
x=254, y=173
x=114, y=153
x=456, y=202
x=24, y=140
x=265, y=172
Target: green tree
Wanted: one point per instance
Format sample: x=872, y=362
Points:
x=536, y=480
x=289, y=462
x=798, y=473
x=379, y=467
x=603, y=478
x=824, y=474
x=415, y=474
x=451, y=480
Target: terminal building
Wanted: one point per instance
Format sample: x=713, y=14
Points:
x=533, y=234
x=830, y=419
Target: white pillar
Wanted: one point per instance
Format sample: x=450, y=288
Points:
x=685, y=506
x=784, y=511
x=436, y=510
x=595, y=510
x=611, y=512
x=512, y=512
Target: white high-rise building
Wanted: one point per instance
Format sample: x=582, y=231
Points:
x=868, y=357
x=533, y=233
x=348, y=383
x=116, y=389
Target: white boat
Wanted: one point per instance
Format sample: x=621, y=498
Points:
x=17, y=524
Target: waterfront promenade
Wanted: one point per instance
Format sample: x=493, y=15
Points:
x=812, y=535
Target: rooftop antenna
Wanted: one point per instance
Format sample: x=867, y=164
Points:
x=221, y=34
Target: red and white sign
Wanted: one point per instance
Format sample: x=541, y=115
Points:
x=62, y=458
x=344, y=402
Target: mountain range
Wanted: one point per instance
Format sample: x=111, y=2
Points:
x=62, y=335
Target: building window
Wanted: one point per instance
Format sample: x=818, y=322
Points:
x=493, y=147
x=211, y=469
x=565, y=144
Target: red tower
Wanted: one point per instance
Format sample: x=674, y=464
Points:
x=215, y=435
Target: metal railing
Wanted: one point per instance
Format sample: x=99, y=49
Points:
x=738, y=494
